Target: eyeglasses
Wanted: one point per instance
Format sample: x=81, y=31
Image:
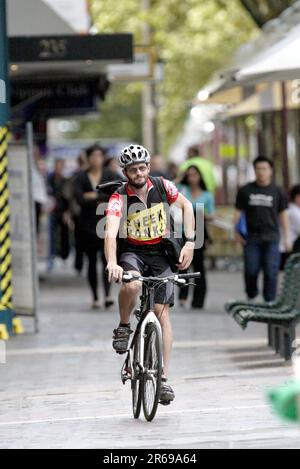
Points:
x=141, y=169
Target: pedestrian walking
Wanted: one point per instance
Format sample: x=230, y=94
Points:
x=294, y=224
x=294, y=217
x=59, y=244
x=88, y=199
x=39, y=188
x=264, y=206
x=158, y=167
x=75, y=210
x=204, y=165
x=193, y=187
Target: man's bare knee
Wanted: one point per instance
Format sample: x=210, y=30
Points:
x=131, y=288
x=162, y=312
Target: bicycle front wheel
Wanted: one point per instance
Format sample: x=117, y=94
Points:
x=153, y=370
x=136, y=382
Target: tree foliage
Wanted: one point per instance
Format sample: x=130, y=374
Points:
x=194, y=38
x=120, y=116
x=265, y=10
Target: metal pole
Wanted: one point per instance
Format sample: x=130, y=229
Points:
x=30, y=143
x=5, y=243
x=237, y=151
x=285, y=159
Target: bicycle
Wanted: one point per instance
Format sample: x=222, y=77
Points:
x=144, y=362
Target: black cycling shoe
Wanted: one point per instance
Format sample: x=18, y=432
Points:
x=121, y=338
x=167, y=394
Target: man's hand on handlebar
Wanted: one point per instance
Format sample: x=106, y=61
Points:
x=115, y=272
x=186, y=256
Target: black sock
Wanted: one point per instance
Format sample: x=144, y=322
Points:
x=124, y=325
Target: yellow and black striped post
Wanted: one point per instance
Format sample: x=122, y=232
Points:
x=5, y=256
x=6, y=311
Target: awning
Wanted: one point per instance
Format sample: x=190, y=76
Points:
x=76, y=14
x=215, y=91
x=280, y=62
x=231, y=96
x=34, y=17
x=268, y=99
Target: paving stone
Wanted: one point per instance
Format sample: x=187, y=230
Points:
x=61, y=388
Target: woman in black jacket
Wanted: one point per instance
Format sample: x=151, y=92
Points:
x=89, y=199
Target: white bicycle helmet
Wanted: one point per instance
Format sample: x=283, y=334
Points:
x=134, y=154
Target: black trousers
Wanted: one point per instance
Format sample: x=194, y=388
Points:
x=199, y=291
x=79, y=247
x=38, y=211
x=59, y=236
x=94, y=251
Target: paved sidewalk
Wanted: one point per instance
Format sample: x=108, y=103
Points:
x=62, y=389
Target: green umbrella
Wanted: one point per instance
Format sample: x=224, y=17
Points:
x=286, y=400
x=206, y=168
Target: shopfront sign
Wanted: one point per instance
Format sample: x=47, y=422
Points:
x=58, y=97
x=99, y=47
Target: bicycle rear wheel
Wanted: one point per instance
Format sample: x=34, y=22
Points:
x=153, y=370
x=136, y=382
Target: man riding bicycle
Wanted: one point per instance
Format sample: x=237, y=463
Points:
x=142, y=252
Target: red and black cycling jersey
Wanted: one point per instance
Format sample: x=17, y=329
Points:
x=145, y=222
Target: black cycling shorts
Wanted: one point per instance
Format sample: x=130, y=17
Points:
x=150, y=262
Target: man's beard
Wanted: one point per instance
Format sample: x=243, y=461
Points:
x=138, y=185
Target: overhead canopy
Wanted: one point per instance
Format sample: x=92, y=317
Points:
x=272, y=56
x=280, y=62
x=34, y=17
x=75, y=13
x=233, y=96
x=268, y=98
x=217, y=87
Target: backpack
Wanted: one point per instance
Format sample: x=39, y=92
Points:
x=174, y=241
x=172, y=244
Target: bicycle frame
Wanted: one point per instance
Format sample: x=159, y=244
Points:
x=148, y=316
x=145, y=367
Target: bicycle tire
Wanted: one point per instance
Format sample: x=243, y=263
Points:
x=152, y=361
x=136, y=384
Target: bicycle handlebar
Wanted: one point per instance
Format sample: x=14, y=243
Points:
x=179, y=279
x=189, y=275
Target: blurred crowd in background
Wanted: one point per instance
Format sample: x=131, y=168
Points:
x=68, y=203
